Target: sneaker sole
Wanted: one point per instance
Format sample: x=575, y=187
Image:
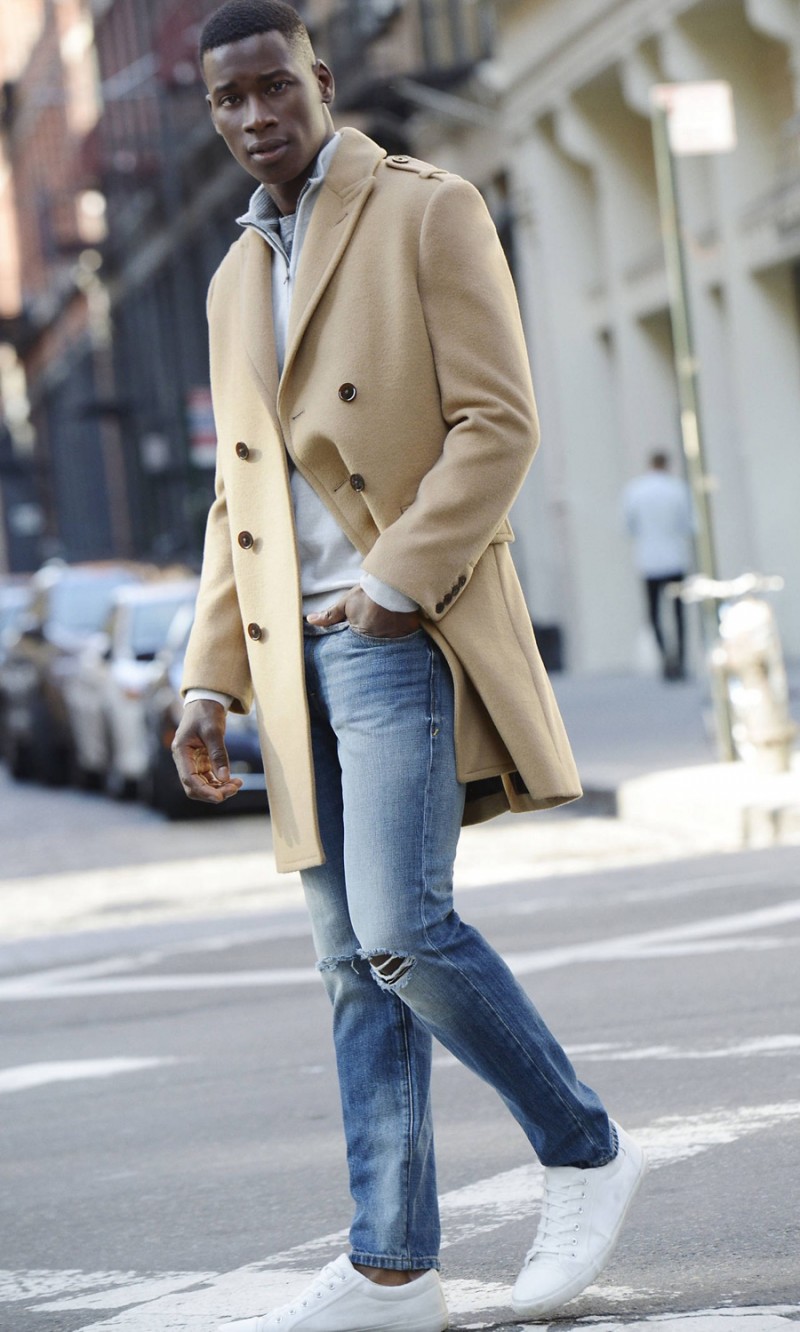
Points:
x=570, y=1289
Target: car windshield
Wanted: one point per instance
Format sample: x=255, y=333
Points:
x=150, y=622
x=82, y=605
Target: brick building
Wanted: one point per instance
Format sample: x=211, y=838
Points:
x=59, y=330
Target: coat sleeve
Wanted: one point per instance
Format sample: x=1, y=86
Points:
x=216, y=656
x=475, y=332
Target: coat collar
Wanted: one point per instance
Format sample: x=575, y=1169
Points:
x=346, y=188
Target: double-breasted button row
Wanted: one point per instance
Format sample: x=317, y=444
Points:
x=448, y=596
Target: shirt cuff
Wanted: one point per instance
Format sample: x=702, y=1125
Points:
x=386, y=596
x=193, y=695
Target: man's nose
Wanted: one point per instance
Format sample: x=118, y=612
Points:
x=259, y=111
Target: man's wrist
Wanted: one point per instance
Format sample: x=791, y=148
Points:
x=384, y=595
x=196, y=695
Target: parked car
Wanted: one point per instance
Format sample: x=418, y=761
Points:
x=106, y=693
x=69, y=602
x=162, y=787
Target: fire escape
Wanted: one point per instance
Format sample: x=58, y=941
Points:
x=393, y=58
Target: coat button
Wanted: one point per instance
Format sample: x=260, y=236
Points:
x=255, y=631
x=347, y=392
x=455, y=589
x=245, y=540
x=462, y=580
x=399, y=157
x=439, y=607
x=242, y=450
x=357, y=481
x=447, y=598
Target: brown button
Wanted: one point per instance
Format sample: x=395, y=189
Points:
x=447, y=598
x=439, y=607
x=357, y=481
x=347, y=392
x=255, y=631
x=462, y=580
x=245, y=540
x=242, y=450
x=455, y=589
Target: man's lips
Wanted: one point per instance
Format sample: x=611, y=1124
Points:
x=267, y=151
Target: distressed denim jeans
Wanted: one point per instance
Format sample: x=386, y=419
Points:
x=399, y=965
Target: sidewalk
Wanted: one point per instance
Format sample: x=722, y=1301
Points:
x=646, y=751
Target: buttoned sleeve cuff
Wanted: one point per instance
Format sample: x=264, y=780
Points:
x=384, y=595
x=193, y=695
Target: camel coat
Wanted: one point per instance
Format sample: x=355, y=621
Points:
x=406, y=402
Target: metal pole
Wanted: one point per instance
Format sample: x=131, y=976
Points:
x=687, y=377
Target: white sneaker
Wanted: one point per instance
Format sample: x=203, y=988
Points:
x=342, y=1300
x=582, y=1216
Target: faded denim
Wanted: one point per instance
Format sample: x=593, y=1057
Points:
x=398, y=963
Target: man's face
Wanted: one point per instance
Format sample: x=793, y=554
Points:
x=270, y=106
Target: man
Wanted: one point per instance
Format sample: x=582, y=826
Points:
x=658, y=513
x=375, y=421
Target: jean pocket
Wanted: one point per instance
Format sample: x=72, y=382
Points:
x=383, y=641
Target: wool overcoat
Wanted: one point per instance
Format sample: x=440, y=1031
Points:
x=406, y=402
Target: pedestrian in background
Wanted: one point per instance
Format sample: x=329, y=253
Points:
x=375, y=421
x=660, y=520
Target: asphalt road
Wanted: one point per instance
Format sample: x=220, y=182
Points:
x=169, y=1127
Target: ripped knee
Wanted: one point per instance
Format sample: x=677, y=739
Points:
x=390, y=970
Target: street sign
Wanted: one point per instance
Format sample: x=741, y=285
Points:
x=699, y=116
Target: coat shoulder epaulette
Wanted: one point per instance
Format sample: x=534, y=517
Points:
x=400, y=162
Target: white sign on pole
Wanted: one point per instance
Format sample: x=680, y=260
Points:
x=700, y=116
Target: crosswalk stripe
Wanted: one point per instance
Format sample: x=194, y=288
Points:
x=27, y=1076
x=195, y=1301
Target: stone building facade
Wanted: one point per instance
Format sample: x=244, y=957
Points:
x=570, y=136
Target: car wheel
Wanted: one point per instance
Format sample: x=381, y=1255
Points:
x=19, y=759
x=51, y=759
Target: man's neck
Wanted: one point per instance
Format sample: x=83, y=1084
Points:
x=285, y=197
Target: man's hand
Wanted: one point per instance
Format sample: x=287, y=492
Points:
x=366, y=616
x=200, y=754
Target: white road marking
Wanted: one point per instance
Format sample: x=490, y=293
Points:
x=768, y=1318
x=26, y=1076
x=767, y=1046
x=196, y=1301
x=716, y=933
x=605, y=1051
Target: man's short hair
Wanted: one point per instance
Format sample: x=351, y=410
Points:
x=237, y=19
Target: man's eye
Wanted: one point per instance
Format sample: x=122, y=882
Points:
x=278, y=85
x=228, y=100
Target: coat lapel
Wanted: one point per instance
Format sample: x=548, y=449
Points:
x=346, y=188
x=255, y=292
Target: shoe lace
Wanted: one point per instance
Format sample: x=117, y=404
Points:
x=562, y=1208
x=328, y=1279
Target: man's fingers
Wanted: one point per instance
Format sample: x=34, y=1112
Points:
x=209, y=790
x=333, y=615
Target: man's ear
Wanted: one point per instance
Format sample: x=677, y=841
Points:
x=325, y=80
x=211, y=113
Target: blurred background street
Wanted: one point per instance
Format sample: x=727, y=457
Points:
x=169, y=1136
